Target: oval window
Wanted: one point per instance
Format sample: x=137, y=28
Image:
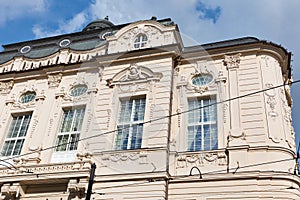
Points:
x=202, y=79
x=64, y=43
x=78, y=90
x=25, y=49
x=27, y=97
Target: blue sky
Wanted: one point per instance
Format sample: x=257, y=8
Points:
x=200, y=21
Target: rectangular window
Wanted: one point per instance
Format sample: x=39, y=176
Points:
x=16, y=135
x=202, y=124
x=130, y=124
x=69, y=132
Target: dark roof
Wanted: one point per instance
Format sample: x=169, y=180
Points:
x=89, y=38
x=225, y=43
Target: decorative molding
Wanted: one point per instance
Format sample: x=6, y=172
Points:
x=108, y=117
x=54, y=80
x=32, y=158
x=140, y=157
x=133, y=76
x=100, y=72
x=290, y=135
x=45, y=168
x=20, y=64
x=5, y=87
x=232, y=62
x=77, y=188
x=184, y=160
x=11, y=191
x=271, y=100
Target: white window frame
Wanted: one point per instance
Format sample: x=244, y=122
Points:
x=125, y=128
x=140, y=41
x=70, y=143
x=14, y=134
x=199, y=117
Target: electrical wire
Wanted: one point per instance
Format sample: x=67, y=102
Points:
x=157, y=119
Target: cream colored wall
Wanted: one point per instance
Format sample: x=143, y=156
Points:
x=252, y=130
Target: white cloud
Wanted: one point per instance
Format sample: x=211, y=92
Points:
x=68, y=26
x=10, y=10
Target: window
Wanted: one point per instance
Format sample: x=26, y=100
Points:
x=64, y=43
x=202, y=79
x=140, y=41
x=25, y=49
x=202, y=124
x=130, y=124
x=16, y=135
x=78, y=90
x=27, y=97
x=68, y=135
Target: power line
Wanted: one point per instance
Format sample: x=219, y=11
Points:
x=157, y=119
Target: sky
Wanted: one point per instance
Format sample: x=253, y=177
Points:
x=201, y=21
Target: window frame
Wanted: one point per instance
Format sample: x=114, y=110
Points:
x=212, y=124
x=10, y=134
x=130, y=125
x=140, y=41
x=71, y=144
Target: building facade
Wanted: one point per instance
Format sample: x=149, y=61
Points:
x=159, y=120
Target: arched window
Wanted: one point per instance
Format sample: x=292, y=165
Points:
x=140, y=41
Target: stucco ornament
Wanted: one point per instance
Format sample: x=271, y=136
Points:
x=271, y=100
x=201, y=159
x=232, y=62
x=5, y=87
x=54, y=80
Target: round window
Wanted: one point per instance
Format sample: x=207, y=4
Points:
x=78, y=90
x=27, y=97
x=64, y=43
x=202, y=79
x=25, y=49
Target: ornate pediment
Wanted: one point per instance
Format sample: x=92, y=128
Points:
x=134, y=74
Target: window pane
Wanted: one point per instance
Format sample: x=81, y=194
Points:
x=16, y=135
x=68, y=137
x=202, y=124
x=130, y=127
x=122, y=137
x=18, y=147
x=62, y=142
x=74, y=142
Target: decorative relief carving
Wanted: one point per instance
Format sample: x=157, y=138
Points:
x=133, y=87
x=89, y=120
x=19, y=105
x=100, y=72
x=271, y=100
x=11, y=191
x=139, y=157
x=76, y=188
x=33, y=157
x=5, y=87
x=108, y=117
x=225, y=108
x=45, y=168
x=66, y=57
x=133, y=73
x=54, y=80
x=178, y=111
x=290, y=136
x=34, y=124
x=152, y=107
x=185, y=160
x=134, y=78
x=232, y=62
